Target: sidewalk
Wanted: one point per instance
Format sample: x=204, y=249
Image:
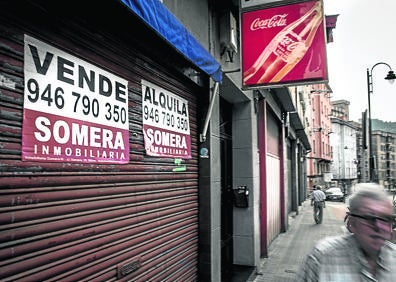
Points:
x=288, y=250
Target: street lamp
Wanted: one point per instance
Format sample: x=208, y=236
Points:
x=391, y=77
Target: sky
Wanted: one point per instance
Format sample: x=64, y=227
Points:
x=364, y=36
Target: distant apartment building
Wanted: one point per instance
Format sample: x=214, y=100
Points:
x=344, y=152
x=384, y=152
x=350, y=150
x=362, y=154
x=319, y=158
x=345, y=140
x=340, y=109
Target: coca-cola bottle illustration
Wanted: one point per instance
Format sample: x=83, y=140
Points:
x=286, y=49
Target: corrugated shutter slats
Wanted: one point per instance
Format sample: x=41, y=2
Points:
x=88, y=222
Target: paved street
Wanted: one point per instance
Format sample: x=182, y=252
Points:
x=288, y=250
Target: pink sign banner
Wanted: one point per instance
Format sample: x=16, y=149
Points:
x=54, y=138
x=166, y=126
x=284, y=45
x=160, y=142
x=73, y=111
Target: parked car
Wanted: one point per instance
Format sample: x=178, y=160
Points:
x=334, y=194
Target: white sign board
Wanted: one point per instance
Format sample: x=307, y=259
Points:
x=73, y=111
x=166, y=125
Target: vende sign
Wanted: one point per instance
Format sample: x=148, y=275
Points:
x=166, y=126
x=284, y=45
x=73, y=110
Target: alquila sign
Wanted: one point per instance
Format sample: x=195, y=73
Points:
x=166, y=126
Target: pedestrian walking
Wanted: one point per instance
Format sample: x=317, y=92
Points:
x=366, y=253
x=318, y=201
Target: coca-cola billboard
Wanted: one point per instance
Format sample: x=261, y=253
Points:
x=284, y=45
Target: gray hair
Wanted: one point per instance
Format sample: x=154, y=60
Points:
x=371, y=191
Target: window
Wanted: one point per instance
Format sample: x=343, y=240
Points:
x=314, y=146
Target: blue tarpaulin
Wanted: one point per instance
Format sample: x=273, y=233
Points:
x=158, y=17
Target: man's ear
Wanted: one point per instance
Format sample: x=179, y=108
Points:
x=350, y=225
x=348, y=222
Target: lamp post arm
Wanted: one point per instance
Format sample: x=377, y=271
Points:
x=380, y=63
x=370, y=78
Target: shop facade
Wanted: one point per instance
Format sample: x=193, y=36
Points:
x=94, y=186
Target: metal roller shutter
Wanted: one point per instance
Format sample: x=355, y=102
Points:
x=273, y=178
x=70, y=222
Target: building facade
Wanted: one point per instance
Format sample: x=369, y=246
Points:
x=133, y=199
x=384, y=158
x=340, y=109
x=345, y=163
x=320, y=129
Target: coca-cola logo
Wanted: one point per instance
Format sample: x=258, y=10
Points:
x=274, y=21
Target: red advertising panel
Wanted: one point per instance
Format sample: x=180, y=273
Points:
x=166, y=126
x=284, y=45
x=73, y=110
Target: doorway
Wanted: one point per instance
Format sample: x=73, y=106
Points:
x=226, y=190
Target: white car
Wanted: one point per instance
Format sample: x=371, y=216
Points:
x=334, y=194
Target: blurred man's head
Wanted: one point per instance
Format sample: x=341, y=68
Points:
x=370, y=217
